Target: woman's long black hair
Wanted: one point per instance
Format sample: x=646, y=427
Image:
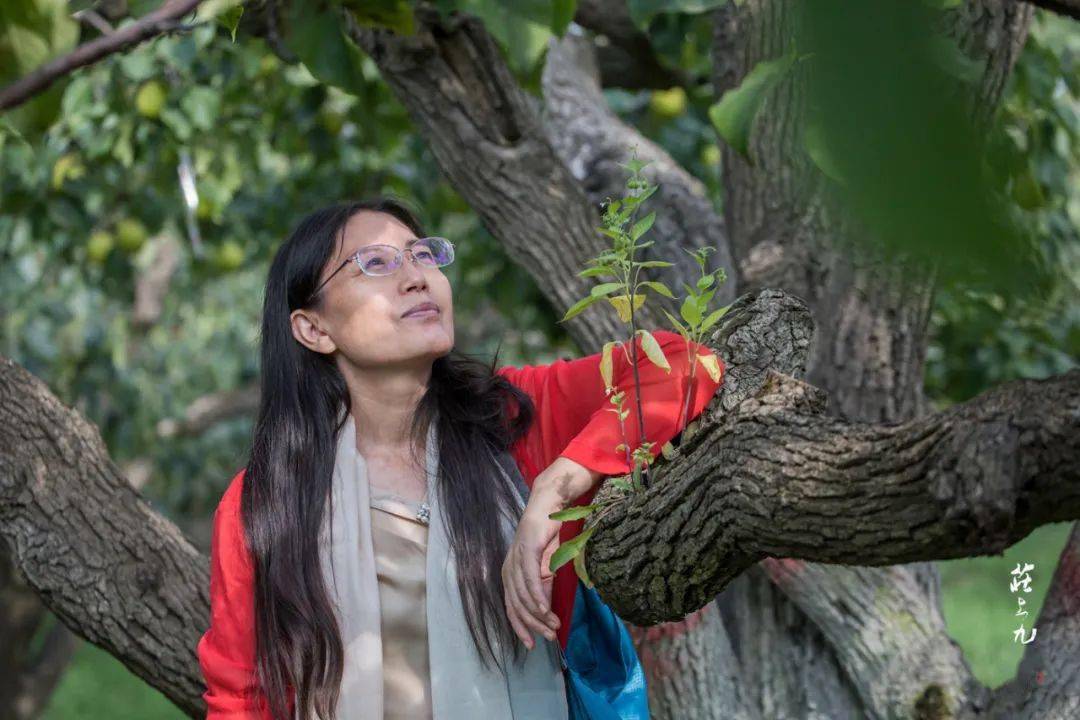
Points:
x=286, y=487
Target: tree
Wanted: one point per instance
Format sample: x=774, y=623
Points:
x=824, y=394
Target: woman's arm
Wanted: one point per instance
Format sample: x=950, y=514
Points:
x=574, y=417
x=572, y=442
x=227, y=649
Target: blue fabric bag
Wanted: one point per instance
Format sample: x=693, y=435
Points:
x=604, y=677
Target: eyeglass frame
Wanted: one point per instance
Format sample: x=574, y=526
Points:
x=398, y=258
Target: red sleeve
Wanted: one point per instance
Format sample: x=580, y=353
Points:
x=573, y=420
x=227, y=650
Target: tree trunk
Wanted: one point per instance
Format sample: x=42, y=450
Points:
x=868, y=354
x=785, y=638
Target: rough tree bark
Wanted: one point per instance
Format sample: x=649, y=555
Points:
x=870, y=351
x=111, y=568
x=790, y=638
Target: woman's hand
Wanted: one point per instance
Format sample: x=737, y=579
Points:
x=527, y=581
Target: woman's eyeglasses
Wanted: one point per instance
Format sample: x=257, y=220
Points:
x=381, y=260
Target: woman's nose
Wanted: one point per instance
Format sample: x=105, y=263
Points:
x=413, y=266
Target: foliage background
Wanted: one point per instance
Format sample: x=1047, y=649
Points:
x=269, y=142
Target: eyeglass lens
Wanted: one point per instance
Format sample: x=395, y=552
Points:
x=383, y=260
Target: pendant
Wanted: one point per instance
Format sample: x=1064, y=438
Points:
x=424, y=513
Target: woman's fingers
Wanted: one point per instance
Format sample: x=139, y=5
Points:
x=529, y=615
x=540, y=606
x=530, y=623
x=510, y=601
x=515, y=623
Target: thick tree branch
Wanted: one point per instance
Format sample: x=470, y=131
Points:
x=160, y=21
x=110, y=567
x=886, y=632
x=778, y=478
x=625, y=57
x=486, y=135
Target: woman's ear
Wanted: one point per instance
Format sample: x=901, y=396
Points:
x=307, y=329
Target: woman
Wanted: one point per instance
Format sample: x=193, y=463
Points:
x=372, y=425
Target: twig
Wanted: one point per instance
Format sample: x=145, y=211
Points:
x=158, y=22
x=91, y=18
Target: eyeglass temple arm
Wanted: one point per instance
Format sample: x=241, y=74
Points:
x=323, y=283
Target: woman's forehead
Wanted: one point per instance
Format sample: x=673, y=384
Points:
x=370, y=227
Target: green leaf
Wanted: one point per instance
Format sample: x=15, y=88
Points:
x=522, y=28
x=201, y=105
x=817, y=148
x=678, y=325
x=606, y=289
x=658, y=287
x=690, y=311
x=230, y=20
x=569, y=549
x=596, y=271
x=578, y=307
x=574, y=513
x=1026, y=190
x=32, y=32
x=394, y=15
x=947, y=53
x=715, y=316
x=647, y=194
x=733, y=115
x=655, y=263
x=211, y=9
x=318, y=40
x=642, y=226
x=562, y=12
x=579, y=568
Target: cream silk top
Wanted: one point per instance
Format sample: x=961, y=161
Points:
x=400, y=543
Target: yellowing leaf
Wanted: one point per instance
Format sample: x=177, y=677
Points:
x=579, y=568
x=606, y=364
x=653, y=351
x=621, y=304
x=712, y=366
x=667, y=450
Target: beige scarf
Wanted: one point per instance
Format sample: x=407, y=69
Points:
x=461, y=688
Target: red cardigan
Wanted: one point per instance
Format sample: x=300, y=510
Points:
x=572, y=420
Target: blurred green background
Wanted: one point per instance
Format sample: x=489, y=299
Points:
x=92, y=205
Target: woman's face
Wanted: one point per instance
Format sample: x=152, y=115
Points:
x=362, y=315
